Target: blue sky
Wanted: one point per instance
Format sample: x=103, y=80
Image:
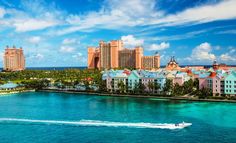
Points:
x=57, y=32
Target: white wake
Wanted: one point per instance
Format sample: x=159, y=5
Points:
x=98, y=123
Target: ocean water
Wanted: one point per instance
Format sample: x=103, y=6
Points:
x=60, y=117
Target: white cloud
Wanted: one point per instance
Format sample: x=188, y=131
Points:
x=205, y=13
x=67, y=49
x=202, y=53
x=39, y=56
x=227, y=32
x=131, y=41
x=2, y=12
x=32, y=15
x=226, y=57
x=32, y=24
x=114, y=14
x=34, y=39
x=160, y=46
x=68, y=41
x=229, y=56
x=35, y=57
x=122, y=13
x=79, y=56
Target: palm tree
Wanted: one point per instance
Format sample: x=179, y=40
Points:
x=151, y=86
x=121, y=86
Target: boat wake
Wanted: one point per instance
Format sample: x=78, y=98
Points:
x=97, y=123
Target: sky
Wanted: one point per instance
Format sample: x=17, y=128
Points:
x=58, y=32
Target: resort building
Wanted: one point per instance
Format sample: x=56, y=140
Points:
x=219, y=83
x=13, y=59
x=130, y=80
x=113, y=55
x=148, y=62
x=172, y=64
x=180, y=78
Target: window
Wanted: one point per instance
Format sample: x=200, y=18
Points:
x=226, y=81
x=226, y=86
x=229, y=81
x=226, y=90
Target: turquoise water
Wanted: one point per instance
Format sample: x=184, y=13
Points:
x=59, y=117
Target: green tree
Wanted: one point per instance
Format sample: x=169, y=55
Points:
x=121, y=86
x=168, y=86
x=151, y=86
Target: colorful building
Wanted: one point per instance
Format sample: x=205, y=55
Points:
x=172, y=64
x=230, y=84
x=180, y=78
x=114, y=55
x=13, y=59
x=220, y=83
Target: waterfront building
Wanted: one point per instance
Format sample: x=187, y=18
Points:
x=180, y=78
x=230, y=84
x=131, y=79
x=13, y=59
x=219, y=82
x=203, y=80
x=114, y=55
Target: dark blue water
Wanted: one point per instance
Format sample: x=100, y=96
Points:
x=211, y=122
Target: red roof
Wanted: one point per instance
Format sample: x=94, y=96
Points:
x=212, y=75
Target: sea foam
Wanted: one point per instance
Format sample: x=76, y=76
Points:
x=97, y=123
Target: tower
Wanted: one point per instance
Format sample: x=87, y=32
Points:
x=138, y=57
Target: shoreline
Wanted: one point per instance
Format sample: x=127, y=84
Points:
x=14, y=92
x=138, y=96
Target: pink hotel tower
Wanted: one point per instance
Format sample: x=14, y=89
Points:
x=114, y=55
x=14, y=59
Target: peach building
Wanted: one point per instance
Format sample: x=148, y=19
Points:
x=172, y=64
x=150, y=62
x=14, y=59
x=114, y=55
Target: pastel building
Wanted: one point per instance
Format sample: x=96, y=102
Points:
x=114, y=55
x=230, y=84
x=133, y=78
x=13, y=59
x=219, y=83
x=180, y=78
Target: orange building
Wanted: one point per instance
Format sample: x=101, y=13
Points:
x=172, y=65
x=150, y=62
x=114, y=55
x=14, y=59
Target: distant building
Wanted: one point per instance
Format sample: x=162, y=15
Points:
x=114, y=55
x=148, y=62
x=14, y=59
x=221, y=66
x=172, y=64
